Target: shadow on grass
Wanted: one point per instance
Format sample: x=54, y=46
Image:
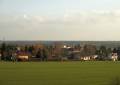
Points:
x=115, y=81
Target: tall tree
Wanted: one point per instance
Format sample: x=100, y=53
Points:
x=89, y=50
x=103, y=53
x=45, y=54
x=3, y=50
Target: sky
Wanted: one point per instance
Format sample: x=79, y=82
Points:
x=86, y=20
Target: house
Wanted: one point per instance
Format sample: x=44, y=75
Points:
x=18, y=48
x=66, y=47
x=85, y=58
x=22, y=56
x=114, y=57
x=94, y=57
x=0, y=56
x=73, y=54
x=88, y=58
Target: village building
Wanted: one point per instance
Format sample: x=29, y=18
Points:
x=66, y=47
x=23, y=56
x=0, y=56
x=114, y=57
x=18, y=48
x=89, y=58
x=86, y=58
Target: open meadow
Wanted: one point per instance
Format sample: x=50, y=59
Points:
x=60, y=73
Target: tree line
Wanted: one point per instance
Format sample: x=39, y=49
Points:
x=57, y=51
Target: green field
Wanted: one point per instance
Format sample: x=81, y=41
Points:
x=59, y=73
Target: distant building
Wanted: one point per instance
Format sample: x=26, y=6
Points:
x=0, y=56
x=18, y=48
x=22, y=56
x=86, y=58
x=89, y=58
x=114, y=57
x=66, y=47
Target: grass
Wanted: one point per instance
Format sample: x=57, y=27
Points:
x=59, y=73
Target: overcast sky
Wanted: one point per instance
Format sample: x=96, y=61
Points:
x=60, y=20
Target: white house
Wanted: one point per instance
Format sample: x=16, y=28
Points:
x=0, y=56
x=66, y=47
x=114, y=57
x=23, y=56
x=85, y=58
x=95, y=56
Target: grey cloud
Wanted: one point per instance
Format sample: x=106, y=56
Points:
x=91, y=25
